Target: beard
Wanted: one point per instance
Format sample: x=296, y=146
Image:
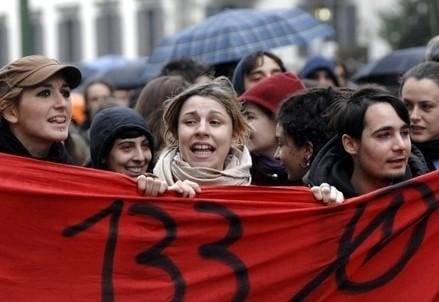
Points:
x=393, y=179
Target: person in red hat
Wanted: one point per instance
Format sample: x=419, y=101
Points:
x=260, y=105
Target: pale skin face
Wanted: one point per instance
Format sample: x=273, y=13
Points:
x=42, y=116
x=421, y=98
x=262, y=139
x=381, y=155
x=205, y=132
x=130, y=156
x=98, y=94
x=293, y=157
x=267, y=69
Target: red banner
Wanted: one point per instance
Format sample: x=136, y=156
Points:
x=74, y=234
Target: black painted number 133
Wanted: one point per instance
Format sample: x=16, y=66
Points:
x=154, y=255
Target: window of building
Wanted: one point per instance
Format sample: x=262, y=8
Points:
x=108, y=25
x=4, y=51
x=150, y=28
x=37, y=44
x=69, y=35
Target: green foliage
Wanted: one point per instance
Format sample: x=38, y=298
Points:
x=411, y=23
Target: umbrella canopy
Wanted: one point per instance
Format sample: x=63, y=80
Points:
x=92, y=68
x=387, y=70
x=232, y=34
x=126, y=76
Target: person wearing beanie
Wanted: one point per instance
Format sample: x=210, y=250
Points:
x=35, y=107
x=321, y=70
x=260, y=105
x=254, y=68
x=120, y=141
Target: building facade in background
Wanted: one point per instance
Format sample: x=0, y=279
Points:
x=82, y=30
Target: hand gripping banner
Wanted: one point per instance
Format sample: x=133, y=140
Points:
x=75, y=234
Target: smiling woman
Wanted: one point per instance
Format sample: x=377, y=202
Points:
x=120, y=141
x=205, y=132
x=35, y=107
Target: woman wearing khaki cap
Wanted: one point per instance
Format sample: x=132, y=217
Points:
x=35, y=107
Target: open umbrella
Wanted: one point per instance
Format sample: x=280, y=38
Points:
x=234, y=33
x=128, y=75
x=388, y=69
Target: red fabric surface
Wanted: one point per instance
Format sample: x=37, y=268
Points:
x=229, y=243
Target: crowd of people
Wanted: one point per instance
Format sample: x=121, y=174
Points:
x=265, y=126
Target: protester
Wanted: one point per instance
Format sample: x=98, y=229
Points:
x=77, y=147
x=122, y=142
x=36, y=108
x=260, y=104
x=205, y=132
x=302, y=128
x=372, y=148
x=343, y=75
x=189, y=69
x=320, y=69
x=254, y=68
x=96, y=92
x=432, y=50
x=150, y=103
x=420, y=93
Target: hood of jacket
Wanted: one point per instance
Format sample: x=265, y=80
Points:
x=317, y=63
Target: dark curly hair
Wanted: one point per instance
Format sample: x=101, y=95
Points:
x=304, y=117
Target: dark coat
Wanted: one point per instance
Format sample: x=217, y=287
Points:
x=10, y=144
x=430, y=150
x=268, y=172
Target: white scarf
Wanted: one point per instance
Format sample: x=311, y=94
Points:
x=170, y=167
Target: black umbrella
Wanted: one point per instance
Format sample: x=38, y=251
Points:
x=128, y=75
x=387, y=70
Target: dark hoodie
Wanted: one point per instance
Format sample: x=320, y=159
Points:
x=238, y=77
x=11, y=145
x=315, y=64
x=430, y=150
x=334, y=166
x=108, y=125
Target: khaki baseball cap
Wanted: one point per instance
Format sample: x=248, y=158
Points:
x=32, y=70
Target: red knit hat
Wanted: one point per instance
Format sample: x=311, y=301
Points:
x=270, y=92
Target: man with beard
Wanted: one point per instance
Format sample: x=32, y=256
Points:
x=372, y=148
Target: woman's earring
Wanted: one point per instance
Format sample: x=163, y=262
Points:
x=307, y=162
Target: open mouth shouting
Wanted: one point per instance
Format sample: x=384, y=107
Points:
x=202, y=150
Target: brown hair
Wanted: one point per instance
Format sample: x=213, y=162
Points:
x=220, y=90
x=150, y=103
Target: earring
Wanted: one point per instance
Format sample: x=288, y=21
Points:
x=306, y=162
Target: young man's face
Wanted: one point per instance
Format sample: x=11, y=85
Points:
x=267, y=67
x=382, y=153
